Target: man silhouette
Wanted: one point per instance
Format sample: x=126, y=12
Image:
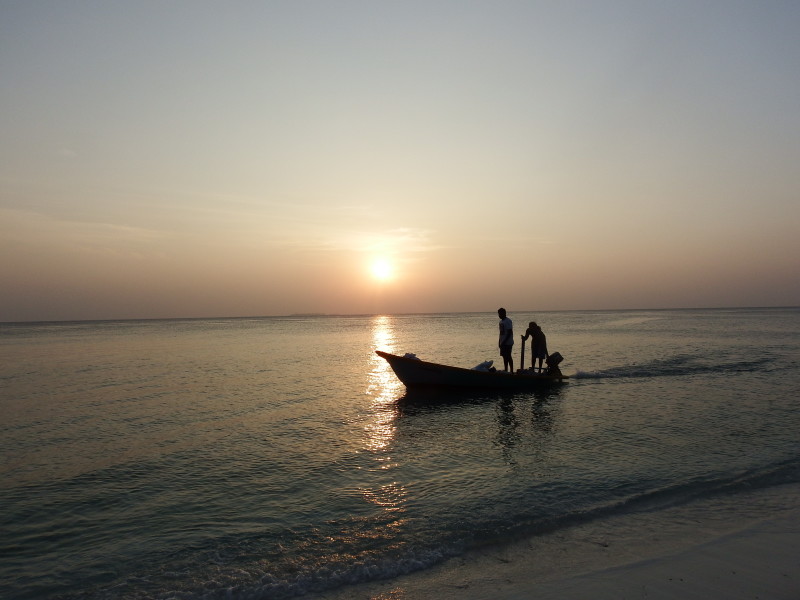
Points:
x=506, y=341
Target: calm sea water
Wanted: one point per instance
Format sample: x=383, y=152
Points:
x=268, y=458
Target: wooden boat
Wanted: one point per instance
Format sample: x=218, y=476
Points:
x=416, y=373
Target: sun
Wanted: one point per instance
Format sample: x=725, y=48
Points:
x=381, y=269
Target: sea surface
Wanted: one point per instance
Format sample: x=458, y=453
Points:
x=279, y=457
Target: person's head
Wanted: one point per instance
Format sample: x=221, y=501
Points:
x=501, y=312
x=532, y=324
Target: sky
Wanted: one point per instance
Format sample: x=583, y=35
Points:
x=208, y=159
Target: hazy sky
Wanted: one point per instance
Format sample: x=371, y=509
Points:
x=197, y=158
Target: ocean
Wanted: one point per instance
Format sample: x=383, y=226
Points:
x=279, y=457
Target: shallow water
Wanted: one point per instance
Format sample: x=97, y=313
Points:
x=271, y=457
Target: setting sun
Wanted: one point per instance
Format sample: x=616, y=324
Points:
x=381, y=269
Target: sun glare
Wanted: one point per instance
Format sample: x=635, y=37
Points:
x=381, y=269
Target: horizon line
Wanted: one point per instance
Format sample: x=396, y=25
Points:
x=399, y=314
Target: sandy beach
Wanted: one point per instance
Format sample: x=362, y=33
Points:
x=760, y=562
x=681, y=555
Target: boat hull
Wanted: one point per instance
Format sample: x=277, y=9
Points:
x=415, y=373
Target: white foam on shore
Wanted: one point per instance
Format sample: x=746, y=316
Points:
x=747, y=546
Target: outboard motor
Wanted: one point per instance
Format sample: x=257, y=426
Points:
x=553, y=361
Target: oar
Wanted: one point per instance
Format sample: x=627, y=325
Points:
x=522, y=358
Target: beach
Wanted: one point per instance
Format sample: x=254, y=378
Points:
x=690, y=560
x=760, y=562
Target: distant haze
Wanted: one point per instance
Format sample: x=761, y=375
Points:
x=190, y=159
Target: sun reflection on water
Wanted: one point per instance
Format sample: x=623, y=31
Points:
x=383, y=389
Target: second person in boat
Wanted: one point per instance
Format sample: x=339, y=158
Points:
x=538, y=344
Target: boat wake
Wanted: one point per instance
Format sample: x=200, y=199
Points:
x=676, y=366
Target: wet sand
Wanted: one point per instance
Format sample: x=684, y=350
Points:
x=760, y=562
x=677, y=554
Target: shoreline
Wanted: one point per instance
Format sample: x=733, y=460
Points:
x=686, y=552
x=762, y=561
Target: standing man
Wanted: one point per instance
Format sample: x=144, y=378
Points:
x=506, y=342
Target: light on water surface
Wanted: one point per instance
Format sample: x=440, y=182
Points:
x=384, y=388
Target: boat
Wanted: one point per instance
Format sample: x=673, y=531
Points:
x=416, y=373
